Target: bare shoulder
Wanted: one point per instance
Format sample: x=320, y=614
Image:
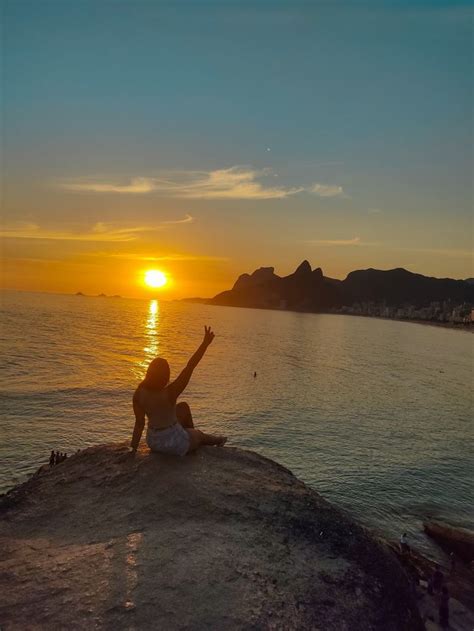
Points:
x=137, y=393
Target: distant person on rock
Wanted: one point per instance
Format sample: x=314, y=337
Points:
x=52, y=459
x=404, y=547
x=170, y=424
x=452, y=559
x=438, y=580
x=443, y=609
x=430, y=585
x=58, y=459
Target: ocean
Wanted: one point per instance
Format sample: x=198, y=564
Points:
x=375, y=415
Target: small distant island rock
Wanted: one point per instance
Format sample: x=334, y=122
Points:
x=79, y=293
x=222, y=539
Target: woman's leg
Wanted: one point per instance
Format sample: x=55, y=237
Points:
x=198, y=438
x=183, y=414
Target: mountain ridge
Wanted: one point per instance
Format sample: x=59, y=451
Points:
x=307, y=289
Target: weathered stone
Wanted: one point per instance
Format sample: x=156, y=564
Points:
x=223, y=539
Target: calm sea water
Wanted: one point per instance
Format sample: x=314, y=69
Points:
x=375, y=415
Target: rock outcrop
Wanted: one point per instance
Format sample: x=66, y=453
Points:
x=222, y=539
x=452, y=538
x=260, y=276
x=304, y=290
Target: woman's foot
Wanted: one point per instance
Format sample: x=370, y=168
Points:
x=218, y=440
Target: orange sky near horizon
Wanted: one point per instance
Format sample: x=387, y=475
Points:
x=42, y=265
x=203, y=253
x=111, y=276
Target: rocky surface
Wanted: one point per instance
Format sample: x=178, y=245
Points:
x=458, y=578
x=223, y=539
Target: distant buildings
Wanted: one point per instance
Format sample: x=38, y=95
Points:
x=443, y=312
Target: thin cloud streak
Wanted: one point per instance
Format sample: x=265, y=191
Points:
x=136, y=185
x=187, y=219
x=100, y=232
x=157, y=259
x=324, y=190
x=354, y=241
x=232, y=183
x=452, y=253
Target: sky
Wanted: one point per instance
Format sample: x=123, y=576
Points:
x=206, y=139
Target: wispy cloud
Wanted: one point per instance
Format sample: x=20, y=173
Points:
x=187, y=219
x=375, y=211
x=232, y=183
x=448, y=252
x=354, y=241
x=100, y=232
x=325, y=190
x=136, y=185
x=167, y=257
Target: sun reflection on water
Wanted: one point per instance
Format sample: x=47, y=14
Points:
x=151, y=334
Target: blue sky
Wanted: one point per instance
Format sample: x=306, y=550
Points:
x=337, y=132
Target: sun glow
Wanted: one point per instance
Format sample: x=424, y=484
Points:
x=155, y=278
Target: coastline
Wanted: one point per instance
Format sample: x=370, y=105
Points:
x=446, y=325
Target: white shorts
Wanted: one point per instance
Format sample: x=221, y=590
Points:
x=172, y=440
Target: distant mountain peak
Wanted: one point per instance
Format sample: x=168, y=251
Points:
x=303, y=268
x=259, y=276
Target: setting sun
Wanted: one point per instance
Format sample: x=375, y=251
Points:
x=155, y=278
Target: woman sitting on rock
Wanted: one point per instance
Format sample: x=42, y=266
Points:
x=170, y=424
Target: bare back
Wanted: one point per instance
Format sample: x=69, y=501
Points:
x=158, y=406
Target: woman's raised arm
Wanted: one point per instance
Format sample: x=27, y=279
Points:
x=179, y=384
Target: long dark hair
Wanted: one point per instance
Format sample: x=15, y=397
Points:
x=157, y=374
